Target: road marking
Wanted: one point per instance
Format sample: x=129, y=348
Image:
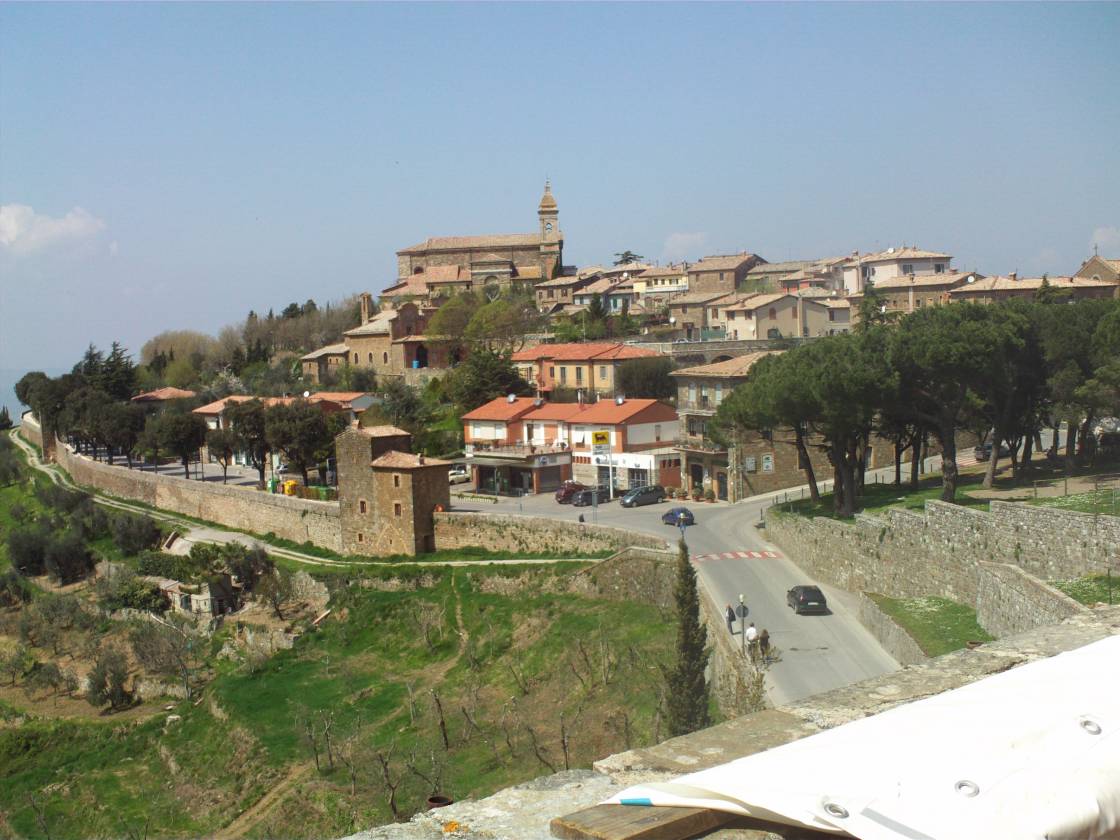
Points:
x=737, y=555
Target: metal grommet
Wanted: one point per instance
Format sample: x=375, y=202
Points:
x=834, y=810
x=966, y=788
x=1090, y=726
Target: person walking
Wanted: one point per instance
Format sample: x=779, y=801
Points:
x=752, y=641
x=764, y=645
x=730, y=620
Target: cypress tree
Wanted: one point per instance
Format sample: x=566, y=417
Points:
x=688, y=692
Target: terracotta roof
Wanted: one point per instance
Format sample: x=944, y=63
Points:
x=412, y=285
x=329, y=350
x=559, y=281
x=598, y=287
x=578, y=352
x=337, y=396
x=905, y=281
x=500, y=408
x=406, y=461
x=892, y=254
x=377, y=325
x=465, y=243
x=739, y=366
x=381, y=431
x=688, y=298
x=218, y=406
x=1008, y=284
x=664, y=271
x=781, y=267
x=757, y=302
x=554, y=411
x=164, y=394
x=722, y=262
x=608, y=412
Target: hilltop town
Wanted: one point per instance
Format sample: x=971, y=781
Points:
x=434, y=541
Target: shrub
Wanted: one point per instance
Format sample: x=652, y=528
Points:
x=107, y=680
x=124, y=590
x=27, y=549
x=172, y=566
x=60, y=498
x=133, y=534
x=67, y=559
x=14, y=589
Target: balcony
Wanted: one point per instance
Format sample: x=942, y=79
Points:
x=696, y=443
x=515, y=451
x=700, y=405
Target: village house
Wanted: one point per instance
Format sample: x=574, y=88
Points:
x=860, y=269
x=475, y=262
x=824, y=275
x=641, y=443
x=561, y=291
x=995, y=289
x=506, y=453
x=907, y=293
x=824, y=315
x=690, y=313
x=655, y=286
x=324, y=364
x=721, y=272
x=591, y=367
x=215, y=596
x=769, y=277
x=764, y=316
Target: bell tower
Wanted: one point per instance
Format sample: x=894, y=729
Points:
x=549, y=214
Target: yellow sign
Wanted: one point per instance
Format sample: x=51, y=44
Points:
x=601, y=438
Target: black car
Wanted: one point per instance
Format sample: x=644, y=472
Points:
x=650, y=495
x=807, y=599
x=677, y=516
x=590, y=496
x=567, y=490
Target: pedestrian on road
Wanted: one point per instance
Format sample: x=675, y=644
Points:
x=752, y=641
x=730, y=620
x=764, y=644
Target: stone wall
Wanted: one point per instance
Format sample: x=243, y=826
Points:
x=1010, y=600
x=948, y=550
x=895, y=641
x=532, y=534
x=30, y=430
x=644, y=575
x=242, y=508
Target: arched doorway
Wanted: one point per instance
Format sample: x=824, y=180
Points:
x=421, y=356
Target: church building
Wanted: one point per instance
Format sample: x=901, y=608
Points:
x=445, y=264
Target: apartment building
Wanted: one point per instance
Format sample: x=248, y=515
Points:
x=591, y=367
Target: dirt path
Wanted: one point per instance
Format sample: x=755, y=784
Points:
x=261, y=808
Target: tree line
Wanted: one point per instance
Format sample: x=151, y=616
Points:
x=1007, y=370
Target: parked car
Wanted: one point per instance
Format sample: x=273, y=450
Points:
x=807, y=599
x=677, y=515
x=458, y=474
x=649, y=495
x=591, y=496
x=567, y=490
x=984, y=451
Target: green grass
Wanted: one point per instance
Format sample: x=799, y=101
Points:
x=1106, y=502
x=938, y=625
x=1094, y=589
x=879, y=497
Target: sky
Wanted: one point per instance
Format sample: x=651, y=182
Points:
x=174, y=166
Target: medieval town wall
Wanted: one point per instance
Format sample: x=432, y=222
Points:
x=30, y=430
x=532, y=534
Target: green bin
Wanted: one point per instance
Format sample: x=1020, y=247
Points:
x=324, y=493
x=272, y=482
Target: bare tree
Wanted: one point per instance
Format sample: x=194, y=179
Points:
x=442, y=720
x=428, y=619
x=384, y=760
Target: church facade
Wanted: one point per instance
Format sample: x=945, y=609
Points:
x=445, y=264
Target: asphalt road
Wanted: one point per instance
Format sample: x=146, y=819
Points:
x=816, y=653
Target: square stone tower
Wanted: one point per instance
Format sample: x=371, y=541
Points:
x=386, y=494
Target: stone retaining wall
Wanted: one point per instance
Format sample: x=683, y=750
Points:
x=299, y=520
x=644, y=575
x=1011, y=600
x=947, y=551
x=30, y=430
x=895, y=641
x=532, y=534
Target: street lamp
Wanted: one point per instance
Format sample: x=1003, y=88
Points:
x=743, y=624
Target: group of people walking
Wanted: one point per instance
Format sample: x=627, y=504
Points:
x=758, y=643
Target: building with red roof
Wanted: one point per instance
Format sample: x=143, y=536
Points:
x=588, y=366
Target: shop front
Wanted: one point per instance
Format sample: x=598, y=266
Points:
x=519, y=470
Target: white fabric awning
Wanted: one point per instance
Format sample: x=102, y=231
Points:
x=1031, y=753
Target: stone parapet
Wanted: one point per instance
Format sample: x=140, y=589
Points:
x=533, y=534
x=30, y=430
x=894, y=639
x=1010, y=600
x=299, y=520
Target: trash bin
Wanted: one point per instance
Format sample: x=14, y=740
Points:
x=324, y=493
x=272, y=482
x=290, y=487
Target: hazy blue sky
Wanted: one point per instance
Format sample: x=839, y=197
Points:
x=173, y=166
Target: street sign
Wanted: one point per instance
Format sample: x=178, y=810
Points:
x=741, y=610
x=601, y=442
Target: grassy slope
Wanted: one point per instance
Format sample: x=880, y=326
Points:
x=1106, y=502
x=1091, y=590
x=938, y=625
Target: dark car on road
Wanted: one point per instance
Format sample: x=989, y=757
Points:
x=984, y=451
x=677, y=515
x=567, y=490
x=807, y=599
x=591, y=496
x=650, y=495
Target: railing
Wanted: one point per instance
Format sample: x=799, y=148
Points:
x=517, y=450
x=699, y=444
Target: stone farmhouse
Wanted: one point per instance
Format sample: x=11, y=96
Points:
x=721, y=272
x=996, y=289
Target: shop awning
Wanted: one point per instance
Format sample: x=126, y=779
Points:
x=1032, y=753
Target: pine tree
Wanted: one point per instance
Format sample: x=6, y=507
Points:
x=688, y=691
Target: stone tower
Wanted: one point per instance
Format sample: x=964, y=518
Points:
x=386, y=494
x=552, y=241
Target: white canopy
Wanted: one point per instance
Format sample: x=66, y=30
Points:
x=1031, y=753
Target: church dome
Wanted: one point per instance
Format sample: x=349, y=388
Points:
x=547, y=201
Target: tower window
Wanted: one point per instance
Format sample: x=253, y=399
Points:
x=361, y=505
x=360, y=537
x=396, y=480
x=384, y=358
x=396, y=508
x=371, y=358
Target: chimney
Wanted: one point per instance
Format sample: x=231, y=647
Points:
x=1013, y=276
x=366, y=300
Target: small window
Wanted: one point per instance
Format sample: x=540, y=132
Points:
x=371, y=358
x=657, y=432
x=361, y=505
x=602, y=371
x=396, y=479
x=579, y=375
x=361, y=538
x=355, y=358
x=939, y=268
x=396, y=508
x=773, y=314
x=907, y=268
x=552, y=372
x=832, y=314
x=384, y=358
